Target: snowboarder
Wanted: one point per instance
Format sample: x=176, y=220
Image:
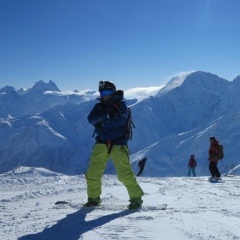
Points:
x=213, y=158
x=141, y=165
x=192, y=164
x=109, y=117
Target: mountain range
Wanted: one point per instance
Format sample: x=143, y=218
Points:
x=44, y=127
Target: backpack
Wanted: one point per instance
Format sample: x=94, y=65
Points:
x=220, y=151
x=129, y=124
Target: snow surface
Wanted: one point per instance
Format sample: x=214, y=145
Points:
x=197, y=209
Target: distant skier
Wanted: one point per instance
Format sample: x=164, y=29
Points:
x=141, y=165
x=192, y=164
x=213, y=158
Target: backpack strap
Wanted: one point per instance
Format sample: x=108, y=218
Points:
x=94, y=132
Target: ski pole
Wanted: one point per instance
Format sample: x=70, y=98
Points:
x=203, y=169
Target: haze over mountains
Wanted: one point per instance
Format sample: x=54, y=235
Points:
x=43, y=127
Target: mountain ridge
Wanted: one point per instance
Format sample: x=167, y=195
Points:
x=169, y=128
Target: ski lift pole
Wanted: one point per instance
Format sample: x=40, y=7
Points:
x=203, y=169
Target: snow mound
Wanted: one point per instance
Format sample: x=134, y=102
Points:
x=32, y=172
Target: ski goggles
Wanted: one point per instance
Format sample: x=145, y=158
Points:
x=106, y=92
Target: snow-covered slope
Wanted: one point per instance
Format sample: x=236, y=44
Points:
x=196, y=208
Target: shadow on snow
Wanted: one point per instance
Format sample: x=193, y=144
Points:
x=73, y=226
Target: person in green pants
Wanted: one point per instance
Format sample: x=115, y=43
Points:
x=109, y=117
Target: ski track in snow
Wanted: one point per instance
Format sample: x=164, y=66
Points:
x=197, y=209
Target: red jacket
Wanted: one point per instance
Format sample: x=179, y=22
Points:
x=192, y=163
x=213, y=152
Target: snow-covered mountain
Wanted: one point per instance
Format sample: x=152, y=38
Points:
x=42, y=96
x=50, y=129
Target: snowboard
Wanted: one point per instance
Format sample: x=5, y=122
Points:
x=215, y=180
x=112, y=207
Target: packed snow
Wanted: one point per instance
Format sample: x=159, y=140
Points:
x=196, y=208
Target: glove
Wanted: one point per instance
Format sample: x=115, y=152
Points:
x=98, y=125
x=112, y=112
x=102, y=108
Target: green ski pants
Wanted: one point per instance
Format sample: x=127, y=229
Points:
x=98, y=161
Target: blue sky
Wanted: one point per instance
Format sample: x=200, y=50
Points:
x=134, y=43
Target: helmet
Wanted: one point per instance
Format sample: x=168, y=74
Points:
x=212, y=138
x=192, y=156
x=103, y=85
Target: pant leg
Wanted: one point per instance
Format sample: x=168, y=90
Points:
x=217, y=171
x=213, y=168
x=193, y=171
x=140, y=171
x=189, y=172
x=120, y=157
x=98, y=161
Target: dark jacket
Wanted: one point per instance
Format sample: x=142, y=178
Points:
x=109, y=119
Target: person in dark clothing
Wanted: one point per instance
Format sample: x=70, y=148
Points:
x=213, y=158
x=141, y=165
x=192, y=165
x=109, y=117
